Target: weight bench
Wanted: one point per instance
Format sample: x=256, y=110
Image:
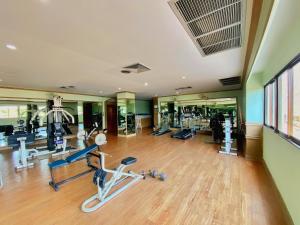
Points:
x=112, y=187
x=82, y=154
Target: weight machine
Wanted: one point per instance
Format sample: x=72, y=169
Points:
x=56, y=143
x=227, y=147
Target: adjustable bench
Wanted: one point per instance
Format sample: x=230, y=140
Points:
x=82, y=154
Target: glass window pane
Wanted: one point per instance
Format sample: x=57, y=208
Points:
x=270, y=104
x=3, y=112
x=296, y=101
x=273, y=107
x=267, y=105
x=23, y=111
x=283, y=103
x=13, y=111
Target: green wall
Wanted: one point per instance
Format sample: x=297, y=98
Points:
x=255, y=98
x=279, y=46
x=282, y=159
x=143, y=106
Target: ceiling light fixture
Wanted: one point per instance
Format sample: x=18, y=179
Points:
x=119, y=89
x=101, y=92
x=183, y=77
x=11, y=47
x=146, y=84
x=1, y=80
x=44, y=1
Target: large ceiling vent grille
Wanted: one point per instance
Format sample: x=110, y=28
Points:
x=213, y=25
x=135, y=68
x=231, y=81
x=183, y=88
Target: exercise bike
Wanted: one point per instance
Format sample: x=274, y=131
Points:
x=104, y=187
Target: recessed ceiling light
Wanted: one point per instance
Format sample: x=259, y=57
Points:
x=11, y=47
x=100, y=92
x=183, y=77
x=119, y=89
x=146, y=84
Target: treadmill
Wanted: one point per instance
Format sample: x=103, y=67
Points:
x=165, y=126
x=161, y=131
x=184, y=133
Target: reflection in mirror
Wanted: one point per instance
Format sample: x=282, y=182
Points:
x=126, y=116
x=197, y=113
x=16, y=116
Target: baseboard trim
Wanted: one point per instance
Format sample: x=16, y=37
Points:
x=285, y=211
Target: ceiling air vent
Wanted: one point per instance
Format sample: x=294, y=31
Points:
x=135, y=68
x=213, y=25
x=231, y=81
x=67, y=87
x=183, y=88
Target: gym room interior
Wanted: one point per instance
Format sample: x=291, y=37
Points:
x=150, y=112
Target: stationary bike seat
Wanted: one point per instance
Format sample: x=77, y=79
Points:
x=129, y=160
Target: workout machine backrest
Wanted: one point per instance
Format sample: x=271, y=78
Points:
x=13, y=139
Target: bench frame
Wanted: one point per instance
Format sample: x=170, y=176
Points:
x=118, y=176
x=56, y=184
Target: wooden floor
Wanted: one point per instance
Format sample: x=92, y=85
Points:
x=203, y=188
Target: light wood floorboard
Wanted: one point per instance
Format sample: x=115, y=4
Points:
x=203, y=188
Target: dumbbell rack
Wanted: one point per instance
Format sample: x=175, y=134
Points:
x=227, y=148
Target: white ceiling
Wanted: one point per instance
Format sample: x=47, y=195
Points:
x=86, y=43
x=284, y=20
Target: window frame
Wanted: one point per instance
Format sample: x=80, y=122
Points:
x=271, y=82
x=288, y=68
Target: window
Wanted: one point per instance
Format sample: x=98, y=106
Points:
x=270, y=104
x=3, y=112
x=282, y=102
x=23, y=111
x=296, y=102
x=42, y=114
x=9, y=111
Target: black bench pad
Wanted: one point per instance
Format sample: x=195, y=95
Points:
x=78, y=155
x=128, y=161
x=72, y=158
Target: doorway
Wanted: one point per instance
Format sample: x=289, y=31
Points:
x=112, y=126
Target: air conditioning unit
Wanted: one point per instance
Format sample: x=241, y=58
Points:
x=213, y=25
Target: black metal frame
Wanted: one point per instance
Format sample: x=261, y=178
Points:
x=56, y=185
